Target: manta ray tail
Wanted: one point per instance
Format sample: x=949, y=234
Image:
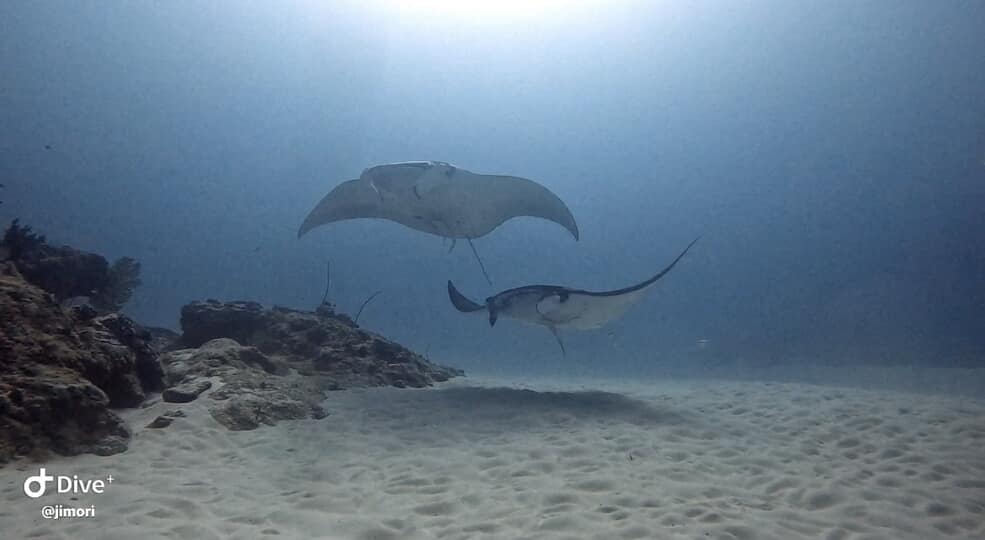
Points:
x=648, y=282
x=460, y=302
x=482, y=266
x=557, y=337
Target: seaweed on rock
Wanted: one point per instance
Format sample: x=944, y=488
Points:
x=69, y=273
x=121, y=279
x=19, y=240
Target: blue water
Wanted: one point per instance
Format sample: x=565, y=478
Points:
x=832, y=156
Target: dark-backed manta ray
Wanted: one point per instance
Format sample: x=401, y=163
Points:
x=558, y=307
x=441, y=199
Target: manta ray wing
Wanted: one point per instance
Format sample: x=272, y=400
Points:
x=584, y=312
x=349, y=200
x=440, y=199
x=461, y=302
x=494, y=199
x=358, y=199
x=597, y=311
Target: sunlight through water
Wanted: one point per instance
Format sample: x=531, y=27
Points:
x=482, y=11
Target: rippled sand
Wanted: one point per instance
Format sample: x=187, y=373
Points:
x=492, y=459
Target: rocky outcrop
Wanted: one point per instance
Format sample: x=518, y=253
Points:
x=255, y=389
x=322, y=343
x=69, y=273
x=276, y=364
x=62, y=370
x=205, y=321
x=165, y=419
x=64, y=271
x=163, y=339
x=186, y=392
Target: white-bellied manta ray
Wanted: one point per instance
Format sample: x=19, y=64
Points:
x=441, y=199
x=559, y=307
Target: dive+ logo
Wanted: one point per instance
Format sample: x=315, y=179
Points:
x=36, y=486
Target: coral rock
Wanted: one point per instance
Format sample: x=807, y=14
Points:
x=202, y=321
x=277, y=364
x=60, y=374
x=185, y=392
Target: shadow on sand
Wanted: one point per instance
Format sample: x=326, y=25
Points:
x=486, y=402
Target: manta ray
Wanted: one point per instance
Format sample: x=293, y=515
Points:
x=559, y=307
x=441, y=199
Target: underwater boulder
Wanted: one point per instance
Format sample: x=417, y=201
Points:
x=162, y=339
x=204, y=321
x=276, y=364
x=61, y=374
x=253, y=389
x=322, y=343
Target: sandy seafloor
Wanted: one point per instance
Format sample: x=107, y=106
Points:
x=507, y=458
